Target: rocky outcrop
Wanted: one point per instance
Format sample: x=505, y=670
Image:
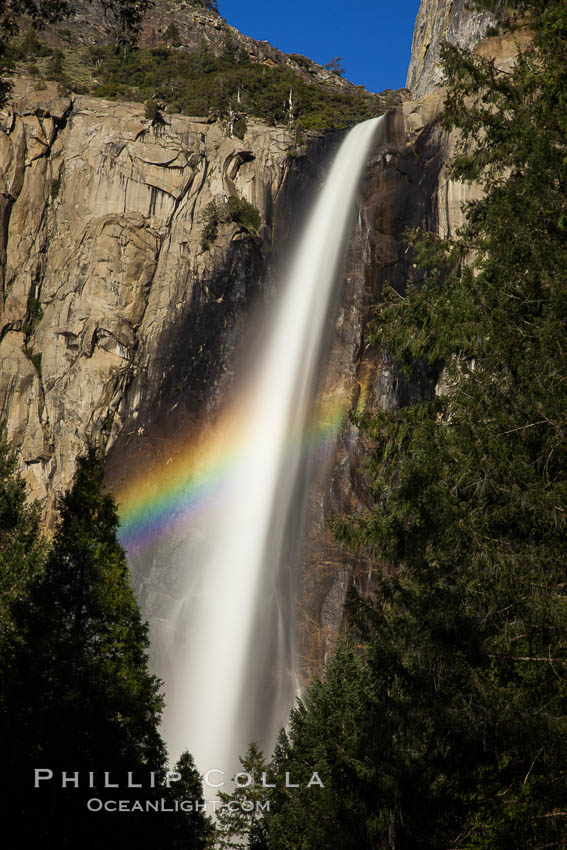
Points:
x=455, y=21
x=195, y=27
x=103, y=267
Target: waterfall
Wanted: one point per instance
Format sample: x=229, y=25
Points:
x=232, y=676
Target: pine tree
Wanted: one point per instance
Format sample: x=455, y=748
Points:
x=77, y=696
x=194, y=828
x=171, y=35
x=125, y=16
x=239, y=820
x=229, y=52
x=326, y=737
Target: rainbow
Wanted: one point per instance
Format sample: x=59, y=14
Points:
x=190, y=484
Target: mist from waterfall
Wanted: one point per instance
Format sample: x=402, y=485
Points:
x=231, y=656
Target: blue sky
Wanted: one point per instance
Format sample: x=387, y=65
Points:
x=372, y=36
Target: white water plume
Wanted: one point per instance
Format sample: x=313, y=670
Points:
x=232, y=623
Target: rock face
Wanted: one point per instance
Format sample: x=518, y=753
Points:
x=437, y=21
x=103, y=267
x=406, y=186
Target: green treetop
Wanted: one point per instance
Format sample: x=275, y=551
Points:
x=240, y=815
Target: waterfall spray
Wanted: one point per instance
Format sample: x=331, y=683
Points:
x=232, y=622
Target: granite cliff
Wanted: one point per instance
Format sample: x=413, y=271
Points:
x=455, y=21
x=102, y=263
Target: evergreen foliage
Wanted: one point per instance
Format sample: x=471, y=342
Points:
x=125, y=15
x=461, y=740
x=22, y=551
x=326, y=736
x=200, y=83
x=235, y=209
x=171, y=35
x=239, y=819
x=32, y=48
x=194, y=830
x=229, y=53
x=240, y=127
x=190, y=83
x=210, y=225
x=76, y=694
x=211, y=5
x=336, y=66
x=243, y=212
